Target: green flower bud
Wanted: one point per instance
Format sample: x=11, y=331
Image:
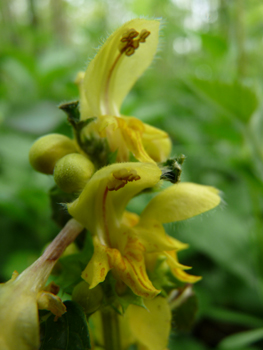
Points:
x=47, y=150
x=89, y=299
x=72, y=172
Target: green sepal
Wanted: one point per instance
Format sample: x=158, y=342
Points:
x=73, y=113
x=129, y=298
x=57, y=197
x=68, y=332
x=162, y=278
x=172, y=169
x=119, y=303
x=72, y=110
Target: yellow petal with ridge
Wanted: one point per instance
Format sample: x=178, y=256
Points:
x=98, y=267
x=132, y=134
x=154, y=238
x=157, y=143
x=130, y=268
x=181, y=201
x=104, y=198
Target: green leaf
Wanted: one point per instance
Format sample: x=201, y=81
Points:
x=235, y=317
x=238, y=100
x=184, y=315
x=129, y=298
x=69, y=332
x=242, y=339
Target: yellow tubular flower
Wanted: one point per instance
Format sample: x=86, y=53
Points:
x=24, y=294
x=20, y=299
x=121, y=239
x=108, y=79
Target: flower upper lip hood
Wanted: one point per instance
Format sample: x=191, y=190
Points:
x=109, y=77
x=112, y=73
x=121, y=239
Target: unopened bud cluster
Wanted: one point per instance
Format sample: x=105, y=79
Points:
x=58, y=155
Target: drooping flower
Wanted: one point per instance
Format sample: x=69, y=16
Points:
x=122, y=239
x=20, y=299
x=24, y=294
x=108, y=79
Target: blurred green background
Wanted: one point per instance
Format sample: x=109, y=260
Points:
x=204, y=88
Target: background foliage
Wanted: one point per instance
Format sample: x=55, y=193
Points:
x=204, y=88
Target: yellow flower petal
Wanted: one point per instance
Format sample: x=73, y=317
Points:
x=132, y=129
x=157, y=143
x=19, y=322
x=106, y=121
x=154, y=238
x=151, y=327
x=98, y=267
x=85, y=111
x=181, y=201
x=131, y=270
x=177, y=271
x=51, y=302
x=116, y=142
x=104, y=198
x=130, y=219
x=129, y=267
x=18, y=317
x=111, y=74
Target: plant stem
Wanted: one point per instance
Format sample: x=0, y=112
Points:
x=111, y=331
x=65, y=237
x=43, y=266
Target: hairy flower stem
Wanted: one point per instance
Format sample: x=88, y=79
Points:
x=43, y=266
x=111, y=331
x=65, y=237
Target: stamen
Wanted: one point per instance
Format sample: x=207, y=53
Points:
x=128, y=43
x=129, y=35
x=143, y=35
x=121, y=178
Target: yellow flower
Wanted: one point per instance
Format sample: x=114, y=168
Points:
x=108, y=79
x=20, y=299
x=151, y=327
x=121, y=239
